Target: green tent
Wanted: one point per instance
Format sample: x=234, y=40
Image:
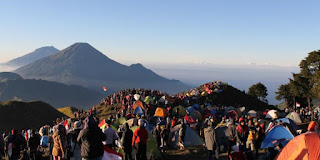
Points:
x=152, y=149
x=120, y=121
x=191, y=137
x=148, y=100
x=182, y=111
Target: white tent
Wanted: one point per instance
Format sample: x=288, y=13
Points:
x=295, y=117
x=273, y=114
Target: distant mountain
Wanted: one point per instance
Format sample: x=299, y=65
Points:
x=26, y=115
x=56, y=94
x=83, y=65
x=32, y=57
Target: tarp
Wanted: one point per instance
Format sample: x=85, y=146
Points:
x=303, y=147
x=138, y=111
x=295, y=117
x=182, y=111
x=161, y=112
x=137, y=104
x=272, y=114
x=191, y=137
x=277, y=133
x=148, y=100
x=152, y=149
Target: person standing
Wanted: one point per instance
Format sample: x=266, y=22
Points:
x=17, y=142
x=75, y=146
x=127, y=141
x=59, y=151
x=34, y=143
x=232, y=135
x=242, y=134
x=139, y=141
x=210, y=138
x=111, y=135
x=90, y=138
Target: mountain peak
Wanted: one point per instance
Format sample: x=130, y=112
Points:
x=137, y=65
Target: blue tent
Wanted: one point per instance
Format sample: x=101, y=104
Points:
x=190, y=109
x=275, y=134
x=196, y=107
x=138, y=111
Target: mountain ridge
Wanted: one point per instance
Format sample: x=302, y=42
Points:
x=82, y=64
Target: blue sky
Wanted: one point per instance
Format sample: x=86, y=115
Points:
x=277, y=32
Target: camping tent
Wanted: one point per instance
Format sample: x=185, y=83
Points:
x=272, y=114
x=138, y=111
x=137, y=104
x=190, y=109
x=161, y=112
x=277, y=133
x=196, y=115
x=120, y=121
x=305, y=146
x=136, y=97
x=152, y=149
x=148, y=100
x=295, y=117
x=252, y=113
x=182, y=111
x=191, y=137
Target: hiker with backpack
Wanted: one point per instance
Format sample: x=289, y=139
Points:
x=210, y=138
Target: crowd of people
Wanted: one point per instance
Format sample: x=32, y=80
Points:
x=86, y=136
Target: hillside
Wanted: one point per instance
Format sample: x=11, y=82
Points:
x=32, y=57
x=68, y=111
x=81, y=64
x=56, y=94
x=4, y=76
x=25, y=115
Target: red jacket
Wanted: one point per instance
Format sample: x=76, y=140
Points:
x=140, y=135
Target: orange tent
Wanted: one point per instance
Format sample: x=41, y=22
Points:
x=303, y=147
x=137, y=104
x=161, y=112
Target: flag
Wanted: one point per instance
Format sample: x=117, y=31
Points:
x=105, y=89
x=298, y=104
x=110, y=154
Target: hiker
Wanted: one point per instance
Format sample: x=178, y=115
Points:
x=34, y=143
x=127, y=141
x=260, y=137
x=210, y=138
x=232, y=135
x=111, y=135
x=156, y=135
x=120, y=130
x=242, y=134
x=139, y=141
x=182, y=133
x=75, y=146
x=252, y=137
x=164, y=134
x=17, y=142
x=59, y=151
x=90, y=138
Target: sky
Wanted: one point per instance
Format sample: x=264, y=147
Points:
x=277, y=32
x=266, y=38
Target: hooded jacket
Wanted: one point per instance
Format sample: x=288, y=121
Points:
x=91, y=138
